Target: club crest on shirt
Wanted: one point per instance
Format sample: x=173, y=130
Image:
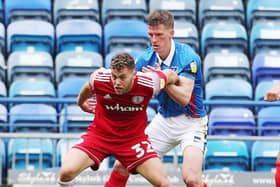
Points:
x=193, y=67
x=137, y=99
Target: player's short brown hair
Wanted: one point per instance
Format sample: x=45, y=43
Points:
x=122, y=60
x=158, y=17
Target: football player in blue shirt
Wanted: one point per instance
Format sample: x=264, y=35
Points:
x=182, y=118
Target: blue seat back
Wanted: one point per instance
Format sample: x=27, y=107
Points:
x=263, y=155
x=269, y=121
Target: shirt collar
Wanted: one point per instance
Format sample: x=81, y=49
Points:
x=168, y=60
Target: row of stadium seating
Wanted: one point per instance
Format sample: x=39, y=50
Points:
x=88, y=35
x=195, y=11
x=32, y=154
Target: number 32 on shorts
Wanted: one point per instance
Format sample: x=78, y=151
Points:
x=141, y=148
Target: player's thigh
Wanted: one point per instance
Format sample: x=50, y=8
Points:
x=76, y=161
x=192, y=161
x=153, y=170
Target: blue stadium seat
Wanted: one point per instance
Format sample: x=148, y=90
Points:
x=73, y=119
x=263, y=155
x=269, y=121
x=260, y=11
x=2, y=38
x=78, y=34
x=22, y=36
x=3, y=89
x=2, y=68
x=186, y=32
x=70, y=88
x=223, y=36
x=1, y=12
x=213, y=11
x=223, y=64
x=112, y=10
x=3, y=118
x=71, y=64
x=32, y=88
x=154, y=103
x=31, y=9
x=228, y=88
x=264, y=39
x=232, y=121
x=76, y=9
x=33, y=118
x=30, y=154
x=265, y=67
x=134, y=36
x=109, y=56
x=182, y=10
x=227, y=155
x=3, y=156
x=63, y=147
x=25, y=65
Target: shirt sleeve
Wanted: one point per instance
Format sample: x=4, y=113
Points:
x=159, y=81
x=92, y=78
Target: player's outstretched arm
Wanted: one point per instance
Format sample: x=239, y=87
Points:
x=273, y=93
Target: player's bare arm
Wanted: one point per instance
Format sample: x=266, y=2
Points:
x=83, y=99
x=181, y=92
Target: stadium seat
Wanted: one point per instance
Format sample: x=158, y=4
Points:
x=260, y=11
x=134, y=36
x=70, y=88
x=27, y=65
x=3, y=162
x=123, y=9
x=263, y=155
x=232, y=121
x=2, y=68
x=223, y=36
x=3, y=89
x=71, y=64
x=30, y=154
x=265, y=67
x=3, y=118
x=224, y=64
x=30, y=35
x=228, y=88
x=154, y=103
x=110, y=55
x=269, y=121
x=264, y=39
x=78, y=34
x=182, y=10
x=213, y=11
x=32, y=88
x=2, y=38
x=1, y=12
x=73, y=119
x=76, y=9
x=31, y=9
x=186, y=33
x=37, y=118
x=227, y=155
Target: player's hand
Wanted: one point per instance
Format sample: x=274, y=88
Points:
x=271, y=96
x=89, y=106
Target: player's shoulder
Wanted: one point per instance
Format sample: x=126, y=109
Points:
x=145, y=79
x=102, y=74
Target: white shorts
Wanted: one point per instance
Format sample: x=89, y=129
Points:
x=166, y=133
